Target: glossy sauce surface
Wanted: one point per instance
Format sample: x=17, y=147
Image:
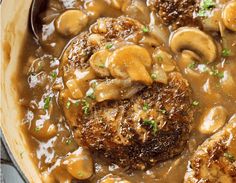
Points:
x=48, y=132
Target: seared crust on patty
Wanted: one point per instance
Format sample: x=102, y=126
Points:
x=106, y=30
x=176, y=12
x=214, y=161
x=122, y=130
x=118, y=128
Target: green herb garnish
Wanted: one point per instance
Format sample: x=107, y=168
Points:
x=163, y=111
x=217, y=73
x=77, y=103
x=68, y=141
x=205, y=5
x=152, y=124
x=101, y=65
x=145, y=107
x=47, y=102
x=159, y=58
x=109, y=46
x=80, y=174
x=68, y=104
x=54, y=75
x=37, y=128
x=192, y=65
x=154, y=76
x=229, y=156
x=195, y=103
x=85, y=106
x=226, y=52
x=145, y=29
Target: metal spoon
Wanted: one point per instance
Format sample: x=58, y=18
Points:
x=37, y=6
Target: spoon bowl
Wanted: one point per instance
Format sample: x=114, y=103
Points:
x=37, y=6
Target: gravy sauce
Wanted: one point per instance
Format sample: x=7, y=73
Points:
x=49, y=135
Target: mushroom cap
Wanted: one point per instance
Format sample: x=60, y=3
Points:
x=229, y=15
x=189, y=38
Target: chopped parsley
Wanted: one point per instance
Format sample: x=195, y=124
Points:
x=68, y=104
x=229, y=156
x=159, y=58
x=192, y=65
x=85, y=106
x=54, y=75
x=154, y=76
x=217, y=73
x=145, y=107
x=152, y=124
x=77, y=103
x=68, y=141
x=80, y=174
x=46, y=103
x=37, y=128
x=163, y=111
x=195, y=103
x=109, y=46
x=145, y=29
x=101, y=65
x=205, y=6
x=226, y=52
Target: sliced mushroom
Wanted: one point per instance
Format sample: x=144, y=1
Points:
x=189, y=38
x=98, y=62
x=80, y=164
x=131, y=61
x=229, y=15
x=213, y=120
x=71, y=22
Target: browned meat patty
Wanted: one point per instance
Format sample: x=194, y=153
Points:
x=151, y=126
x=215, y=159
x=176, y=12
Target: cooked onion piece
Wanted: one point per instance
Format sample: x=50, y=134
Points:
x=74, y=88
x=116, y=89
x=158, y=74
x=71, y=22
x=187, y=59
x=98, y=62
x=213, y=119
x=228, y=84
x=113, y=179
x=80, y=164
x=131, y=61
x=43, y=129
x=229, y=15
x=94, y=8
x=137, y=10
x=164, y=59
x=211, y=23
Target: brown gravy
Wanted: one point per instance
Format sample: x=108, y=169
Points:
x=213, y=84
